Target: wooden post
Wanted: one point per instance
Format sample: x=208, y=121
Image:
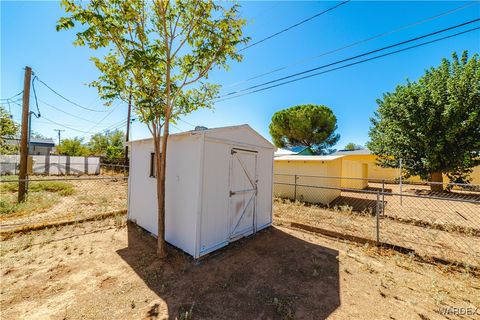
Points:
x=377, y=220
x=128, y=125
x=383, y=197
x=22, y=176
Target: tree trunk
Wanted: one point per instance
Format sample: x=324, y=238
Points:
x=160, y=162
x=436, y=177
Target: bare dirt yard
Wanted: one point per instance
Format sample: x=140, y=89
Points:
x=451, y=242
x=107, y=269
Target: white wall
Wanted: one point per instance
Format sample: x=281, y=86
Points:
x=52, y=165
x=61, y=165
x=216, y=186
x=142, y=204
x=215, y=198
x=265, y=188
x=182, y=185
x=182, y=191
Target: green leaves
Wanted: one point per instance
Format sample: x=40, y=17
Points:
x=73, y=147
x=163, y=49
x=434, y=123
x=8, y=129
x=305, y=125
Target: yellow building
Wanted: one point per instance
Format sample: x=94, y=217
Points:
x=323, y=172
x=365, y=157
x=375, y=172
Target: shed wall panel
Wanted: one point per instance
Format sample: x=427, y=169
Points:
x=182, y=191
x=264, y=195
x=215, y=196
x=142, y=188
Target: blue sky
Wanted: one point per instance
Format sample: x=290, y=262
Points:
x=28, y=37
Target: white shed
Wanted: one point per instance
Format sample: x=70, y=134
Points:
x=218, y=187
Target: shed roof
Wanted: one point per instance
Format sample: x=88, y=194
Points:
x=308, y=158
x=211, y=130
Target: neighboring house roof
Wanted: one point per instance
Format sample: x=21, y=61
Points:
x=298, y=149
x=33, y=141
x=308, y=158
x=42, y=142
x=283, y=152
x=352, y=152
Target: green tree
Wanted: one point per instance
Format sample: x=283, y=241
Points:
x=160, y=53
x=353, y=146
x=305, y=125
x=432, y=124
x=73, y=147
x=109, y=144
x=8, y=130
x=38, y=135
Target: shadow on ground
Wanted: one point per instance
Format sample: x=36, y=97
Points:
x=271, y=275
x=356, y=204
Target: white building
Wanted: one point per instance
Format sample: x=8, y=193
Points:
x=283, y=152
x=218, y=187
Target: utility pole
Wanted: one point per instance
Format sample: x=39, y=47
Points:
x=59, y=137
x=24, y=135
x=127, y=137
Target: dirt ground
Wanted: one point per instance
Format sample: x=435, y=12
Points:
x=451, y=209
x=108, y=270
x=450, y=245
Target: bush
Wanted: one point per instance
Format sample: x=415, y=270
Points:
x=62, y=188
x=36, y=202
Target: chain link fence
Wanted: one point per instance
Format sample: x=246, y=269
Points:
x=443, y=225
x=52, y=199
x=438, y=224
x=114, y=169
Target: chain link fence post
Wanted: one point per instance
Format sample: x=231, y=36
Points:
x=383, y=197
x=295, y=189
x=377, y=219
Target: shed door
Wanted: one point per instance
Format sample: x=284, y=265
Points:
x=243, y=192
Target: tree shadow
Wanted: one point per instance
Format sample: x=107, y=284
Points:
x=379, y=189
x=356, y=204
x=452, y=194
x=271, y=275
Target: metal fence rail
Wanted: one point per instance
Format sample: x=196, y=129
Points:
x=444, y=225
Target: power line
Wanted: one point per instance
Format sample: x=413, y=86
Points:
x=116, y=125
x=353, y=63
x=64, y=126
x=60, y=110
x=13, y=96
x=109, y=113
x=188, y=123
x=180, y=130
x=381, y=35
x=294, y=25
x=350, y=58
x=35, y=95
x=66, y=99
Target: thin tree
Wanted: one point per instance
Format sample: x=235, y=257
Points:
x=166, y=49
